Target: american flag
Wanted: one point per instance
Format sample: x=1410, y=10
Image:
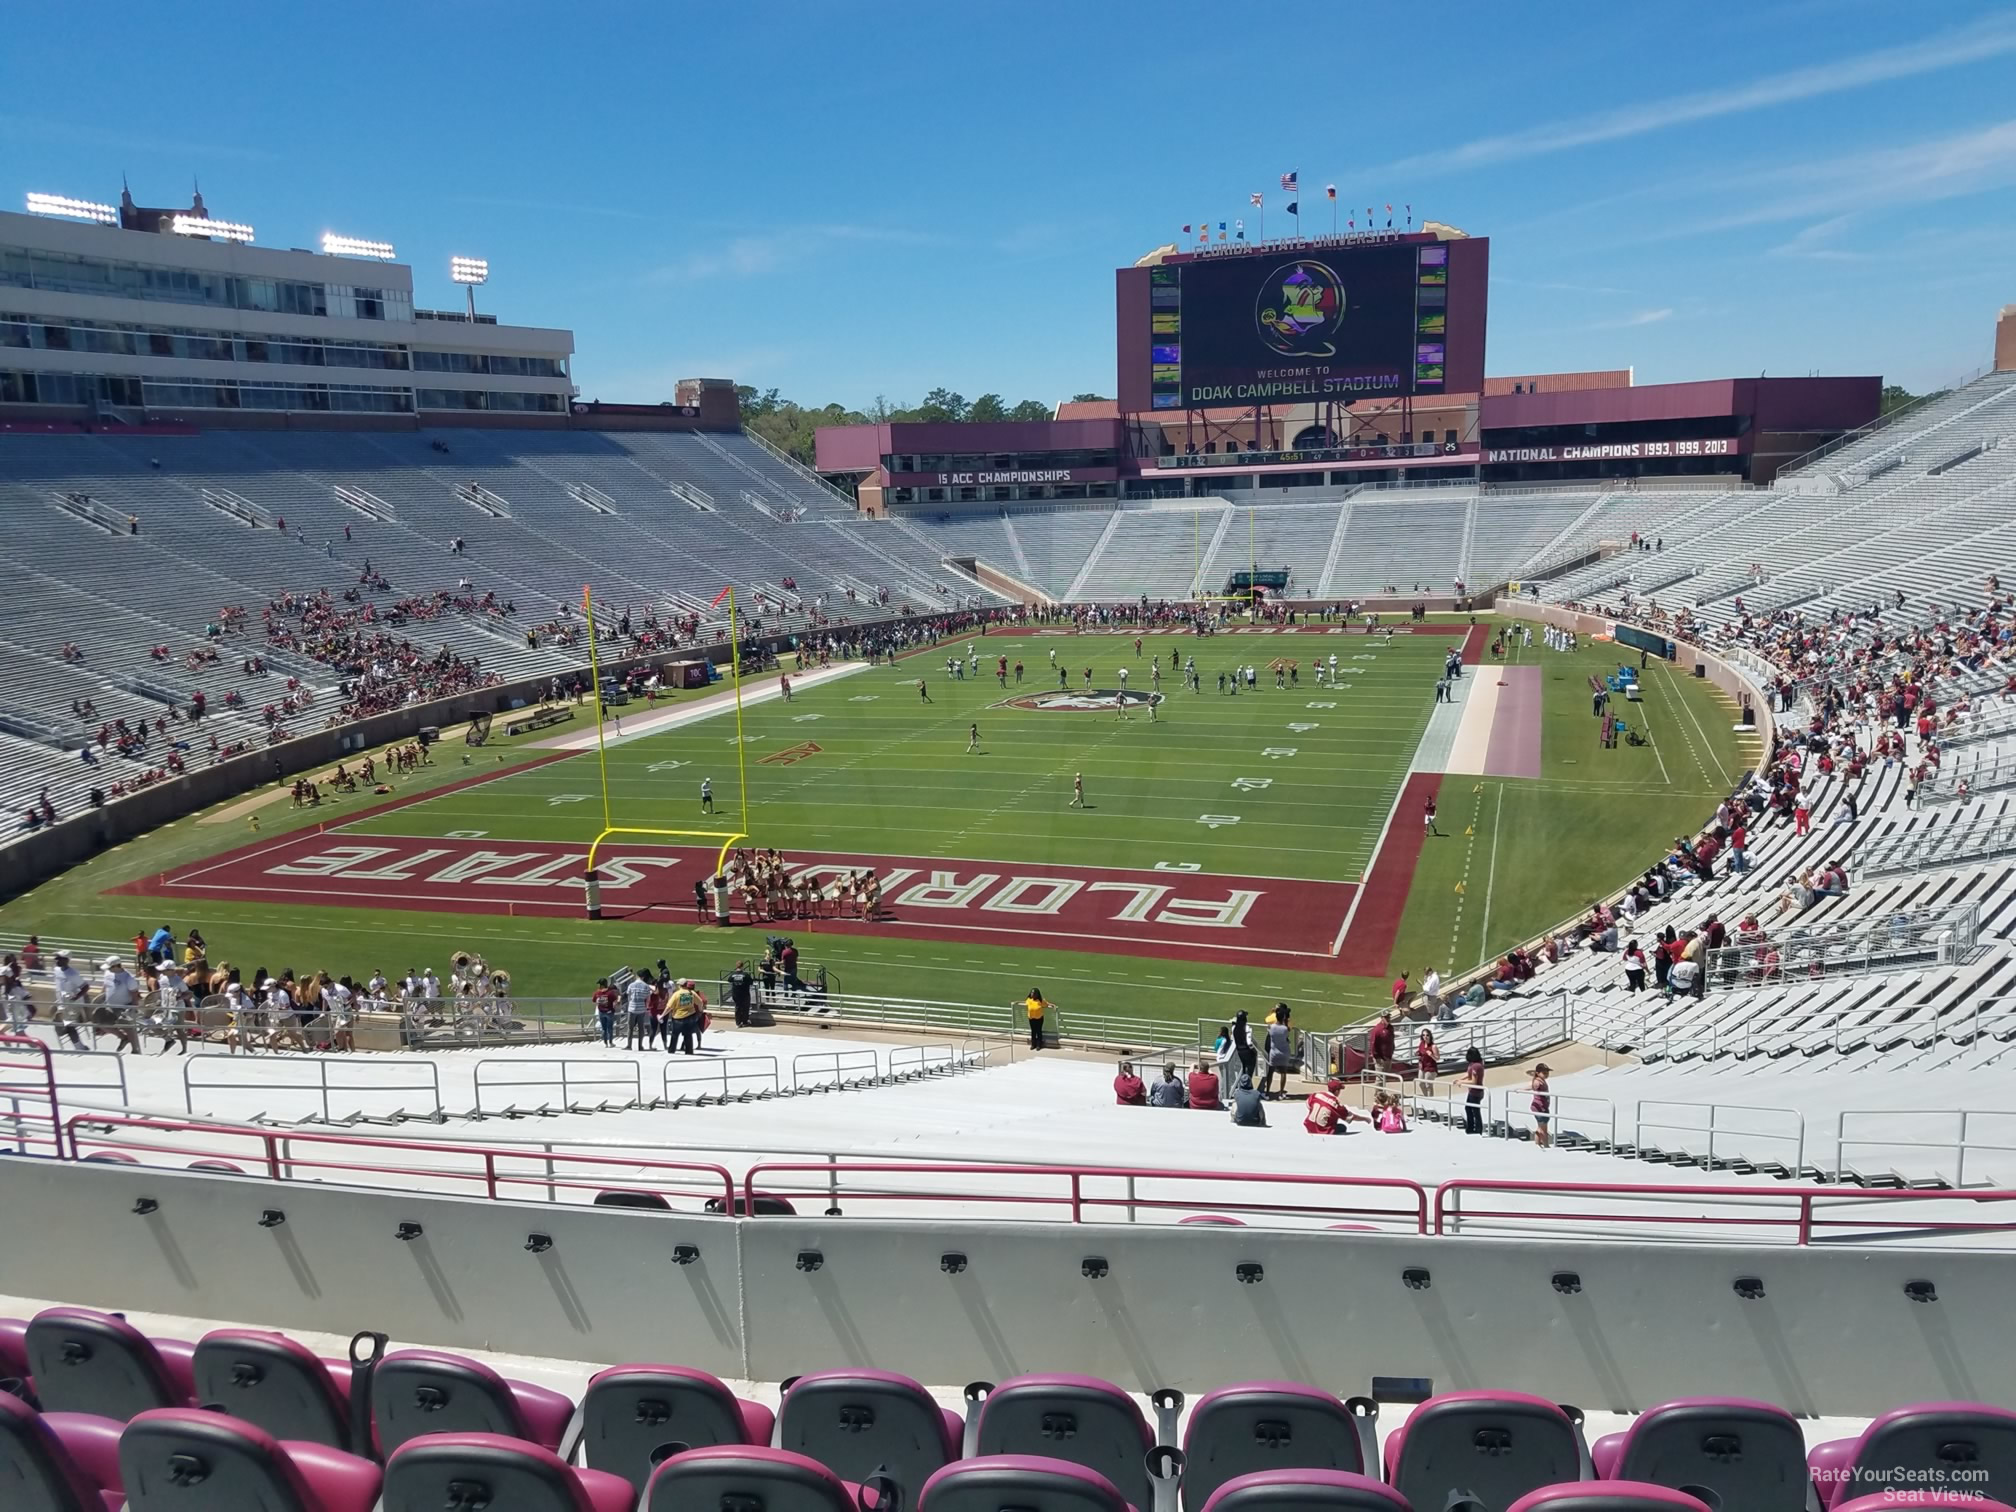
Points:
x=1288, y=182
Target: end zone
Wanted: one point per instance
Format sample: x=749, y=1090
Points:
x=1172, y=914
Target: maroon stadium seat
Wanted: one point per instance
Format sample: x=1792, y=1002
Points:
x=186, y=1460
x=1025, y=1482
x=1266, y=1425
x=1079, y=1419
x=1490, y=1447
x=282, y=1386
x=747, y=1477
x=1306, y=1491
x=486, y=1470
x=1610, y=1496
x=1747, y=1454
x=630, y=1412
x=422, y=1391
x=855, y=1422
x=57, y=1461
x=1913, y=1446
x=86, y=1361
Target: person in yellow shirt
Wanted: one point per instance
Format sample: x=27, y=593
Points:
x=683, y=1010
x=1035, y=1006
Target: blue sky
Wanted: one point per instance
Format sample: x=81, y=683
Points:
x=849, y=201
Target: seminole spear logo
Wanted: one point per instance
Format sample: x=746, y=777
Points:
x=1299, y=310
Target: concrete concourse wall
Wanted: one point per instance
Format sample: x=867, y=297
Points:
x=1834, y=1332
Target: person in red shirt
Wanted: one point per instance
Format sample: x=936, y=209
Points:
x=1379, y=1043
x=1324, y=1113
x=1427, y=1061
x=1127, y=1088
x=1400, y=990
x=1203, y=1085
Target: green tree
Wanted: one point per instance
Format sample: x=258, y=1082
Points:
x=985, y=410
x=1088, y=398
x=1030, y=409
x=1896, y=396
x=941, y=405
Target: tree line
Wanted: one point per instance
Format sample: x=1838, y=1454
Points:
x=790, y=426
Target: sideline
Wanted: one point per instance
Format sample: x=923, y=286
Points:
x=706, y=707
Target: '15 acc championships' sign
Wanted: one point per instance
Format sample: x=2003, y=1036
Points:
x=997, y=477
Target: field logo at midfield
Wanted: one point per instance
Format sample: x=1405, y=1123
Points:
x=1080, y=701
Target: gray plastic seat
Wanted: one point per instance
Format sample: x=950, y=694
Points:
x=1490, y=1447
x=856, y=1422
x=743, y=1478
x=272, y=1381
x=1266, y=1425
x=1023, y=1482
x=1079, y=1419
x=95, y=1362
x=1747, y=1455
x=180, y=1459
x=488, y=1471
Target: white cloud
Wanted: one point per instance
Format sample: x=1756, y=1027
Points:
x=1991, y=38
x=751, y=255
x=1642, y=318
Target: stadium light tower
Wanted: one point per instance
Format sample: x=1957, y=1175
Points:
x=66, y=208
x=471, y=271
x=204, y=226
x=354, y=246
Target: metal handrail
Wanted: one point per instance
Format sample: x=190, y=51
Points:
x=1715, y=1125
x=591, y=1073
x=278, y=1154
x=1804, y=1222
x=192, y=1065
x=710, y=1064
x=1959, y=1145
x=1076, y=1198
x=29, y=1060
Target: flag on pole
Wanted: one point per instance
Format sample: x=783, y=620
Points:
x=1294, y=208
x=1330, y=191
x=1186, y=230
x=1288, y=181
x=1410, y=214
x=1256, y=199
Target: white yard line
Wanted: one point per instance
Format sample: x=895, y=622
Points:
x=1491, y=876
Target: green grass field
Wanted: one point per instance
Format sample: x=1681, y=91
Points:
x=1309, y=774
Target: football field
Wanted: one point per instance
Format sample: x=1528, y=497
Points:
x=1229, y=845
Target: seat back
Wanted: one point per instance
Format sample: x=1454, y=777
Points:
x=1025, y=1482
x=1265, y=1425
x=182, y=1459
x=855, y=1422
x=423, y=1391
x=1749, y=1455
x=649, y=1201
x=1610, y=1496
x=37, y=1473
x=480, y=1470
x=86, y=1361
x=270, y=1380
x=743, y=1478
x=1078, y=1419
x=1305, y=1491
x=1935, y=1446
x=630, y=1411
x=1490, y=1447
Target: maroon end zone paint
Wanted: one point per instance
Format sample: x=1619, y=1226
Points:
x=1181, y=915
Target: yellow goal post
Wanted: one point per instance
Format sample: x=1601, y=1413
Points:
x=594, y=880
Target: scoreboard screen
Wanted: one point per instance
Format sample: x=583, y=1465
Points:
x=1310, y=322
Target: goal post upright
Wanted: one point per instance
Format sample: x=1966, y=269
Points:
x=720, y=841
